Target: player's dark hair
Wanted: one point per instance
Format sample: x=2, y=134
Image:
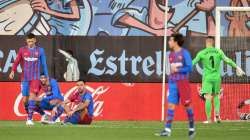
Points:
x=30, y=36
x=42, y=74
x=178, y=38
x=210, y=37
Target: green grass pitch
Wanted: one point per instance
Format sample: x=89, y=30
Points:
x=121, y=130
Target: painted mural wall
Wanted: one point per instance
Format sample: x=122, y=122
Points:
x=120, y=17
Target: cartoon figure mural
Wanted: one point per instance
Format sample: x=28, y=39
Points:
x=43, y=17
x=189, y=13
x=119, y=17
x=181, y=18
x=66, y=17
x=17, y=17
x=238, y=21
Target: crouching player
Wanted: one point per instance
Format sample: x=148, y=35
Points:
x=52, y=99
x=178, y=82
x=83, y=111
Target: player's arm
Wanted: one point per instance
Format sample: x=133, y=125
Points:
x=55, y=89
x=188, y=63
x=16, y=62
x=81, y=106
x=229, y=61
x=196, y=59
x=43, y=61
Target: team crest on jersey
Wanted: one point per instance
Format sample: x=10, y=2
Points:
x=180, y=57
x=36, y=53
x=170, y=60
x=26, y=54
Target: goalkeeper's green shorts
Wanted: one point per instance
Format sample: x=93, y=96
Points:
x=211, y=86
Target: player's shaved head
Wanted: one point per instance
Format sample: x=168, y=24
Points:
x=210, y=41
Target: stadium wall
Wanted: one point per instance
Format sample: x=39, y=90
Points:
x=126, y=101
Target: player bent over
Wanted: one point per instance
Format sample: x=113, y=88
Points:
x=52, y=99
x=83, y=112
x=31, y=57
x=178, y=82
x=211, y=58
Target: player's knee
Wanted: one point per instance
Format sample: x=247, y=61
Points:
x=208, y=97
x=25, y=99
x=171, y=106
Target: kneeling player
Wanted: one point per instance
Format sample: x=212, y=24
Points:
x=83, y=112
x=52, y=99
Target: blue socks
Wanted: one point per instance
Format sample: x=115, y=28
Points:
x=26, y=107
x=32, y=107
x=59, y=112
x=170, y=117
x=190, y=115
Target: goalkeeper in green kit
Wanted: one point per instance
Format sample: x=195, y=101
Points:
x=211, y=58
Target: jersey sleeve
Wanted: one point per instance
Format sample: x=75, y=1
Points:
x=55, y=89
x=227, y=60
x=197, y=58
x=17, y=60
x=43, y=61
x=87, y=97
x=188, y=63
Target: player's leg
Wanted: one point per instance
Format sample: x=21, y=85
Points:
x=207, y=90
x=185, y=98
x=74, y=119
x=57, y=109
x=34, y=88
x=173, y=99
x=25, y=93
x=217, y=88
x=85, y=118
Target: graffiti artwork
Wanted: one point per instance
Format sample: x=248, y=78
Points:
x=119, y=17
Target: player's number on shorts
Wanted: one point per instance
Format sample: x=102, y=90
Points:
x=211, y=58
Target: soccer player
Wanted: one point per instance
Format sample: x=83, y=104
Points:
x=52, y=99
x=178, y=83
x=31, y=57
x=83, y=112
x=211, y=58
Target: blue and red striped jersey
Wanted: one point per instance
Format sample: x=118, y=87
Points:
x=184, y=59
x=31, y=60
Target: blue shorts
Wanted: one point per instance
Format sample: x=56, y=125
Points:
x=173, y=95
x=45, y=105
x=25, y=88
x=179, y=91
x=74, y=119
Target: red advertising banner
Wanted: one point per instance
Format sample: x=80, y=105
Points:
x=124, y=101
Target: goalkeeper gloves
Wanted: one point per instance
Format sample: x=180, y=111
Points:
x=239, y=71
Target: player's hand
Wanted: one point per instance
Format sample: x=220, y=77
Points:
x=12, y=74
x=239, y=71
x=175, y=67
x=71, y=113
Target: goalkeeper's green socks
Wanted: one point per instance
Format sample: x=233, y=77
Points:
x=217, y=105
x=208, y=106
